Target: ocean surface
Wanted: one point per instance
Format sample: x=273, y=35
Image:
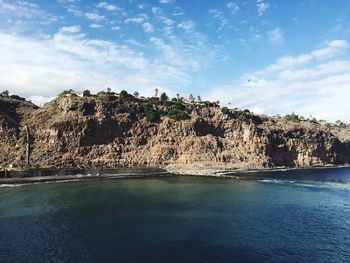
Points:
x=291, y=216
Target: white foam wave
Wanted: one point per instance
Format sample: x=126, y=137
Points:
x=319, y=185
x=11, y=185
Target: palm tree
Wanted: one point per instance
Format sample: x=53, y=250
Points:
x=178, y=96
x=156, y=90
x=199, y=99
x=191, y=98
x=136, y=94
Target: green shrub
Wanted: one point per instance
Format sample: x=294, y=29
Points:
x=177, y=114
x=100, y=95
x=150, y=113
x=225, y=110
x=179, y=106
x=292, y=117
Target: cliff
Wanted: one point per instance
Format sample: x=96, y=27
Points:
x=111, y=131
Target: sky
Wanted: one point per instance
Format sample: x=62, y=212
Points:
x=270, y=56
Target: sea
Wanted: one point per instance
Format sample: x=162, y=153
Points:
x=280, y=216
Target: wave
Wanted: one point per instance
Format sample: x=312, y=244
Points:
x=307, y=184
x=11, y=185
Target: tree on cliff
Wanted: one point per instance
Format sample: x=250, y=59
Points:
x=164, y=97
x=86, y=93
x=156, y=91
x=123, y=94
x=5, y=93
x=136, y=94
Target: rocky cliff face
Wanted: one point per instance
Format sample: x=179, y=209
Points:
x=89, y=132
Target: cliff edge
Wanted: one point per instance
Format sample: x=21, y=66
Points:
x=113, y=130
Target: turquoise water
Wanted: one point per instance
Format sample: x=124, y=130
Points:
x=295, y=216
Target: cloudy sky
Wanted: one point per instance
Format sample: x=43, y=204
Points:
x=270, y=56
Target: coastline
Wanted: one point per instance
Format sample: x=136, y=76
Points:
x=222, y=172
x=132, y=173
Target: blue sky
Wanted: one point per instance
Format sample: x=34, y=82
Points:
x=273, y=57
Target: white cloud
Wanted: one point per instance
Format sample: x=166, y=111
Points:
x=303, y=84
x=148, y=27
x=94, y=16
x=25, y=13
x=287, y=62
x=65, y=1
x=166, y=1
x=262, y=7
x=275, y=36
x=70, y=29
x=332, y=48
x=166, y=21
x=187, y=25
x=107, y=6
x=233, y=7
x=156, y=10
x=219, y=15
x=96, y=26
x=136, y=20
x=43, y=67
x=75, y=11
x=116, y=28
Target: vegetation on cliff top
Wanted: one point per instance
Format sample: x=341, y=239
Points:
x=177, y=108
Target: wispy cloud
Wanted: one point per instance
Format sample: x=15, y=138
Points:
x=332, y=48
x=156, y=10
x=233, y=7
x=304, y=84
x=25, y=13
x=70, y=29
x=94, y=16
x=139, y=19
x=166, y=1
x=167, y=21
x=96, y=26
x=65, y=1
x=107, y=6
x=187, y=25
x=275, y=36
x=219, y=15
x=69, y=59
x=262, y=6
x=149, y=28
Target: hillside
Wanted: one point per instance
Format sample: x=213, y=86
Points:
x=114, y=130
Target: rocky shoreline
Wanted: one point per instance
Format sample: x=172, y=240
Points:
x=130, y=173
x=52, y=175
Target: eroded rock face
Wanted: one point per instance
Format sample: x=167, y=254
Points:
x=84, y=132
